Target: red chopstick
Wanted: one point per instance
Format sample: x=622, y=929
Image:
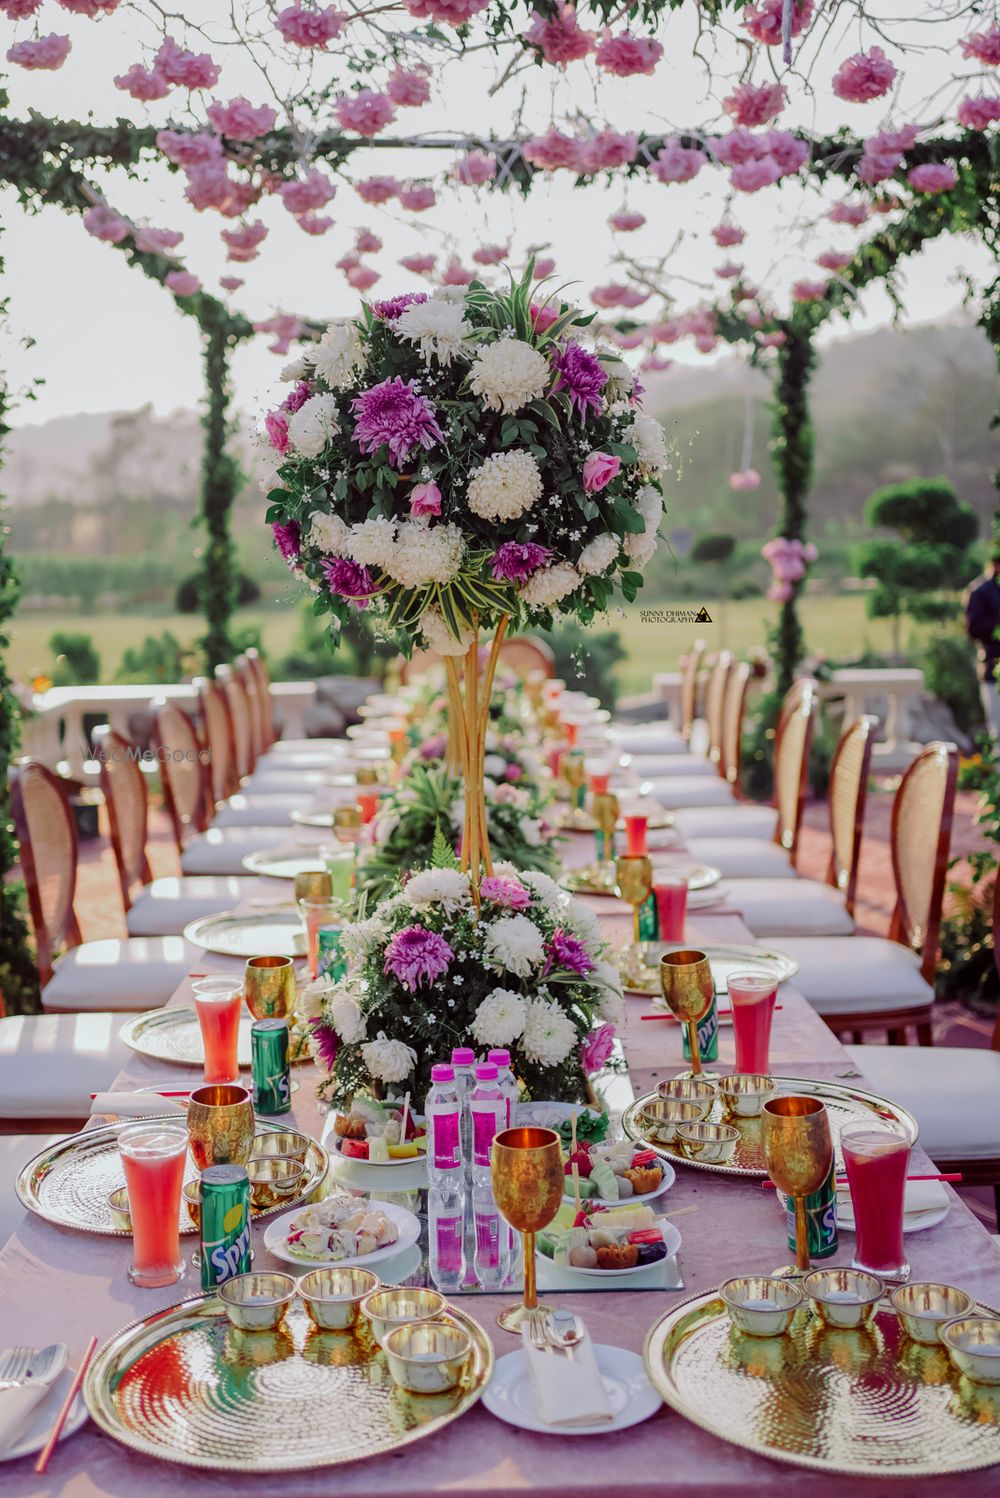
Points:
x=74, y=1389
x=155, y=1092
x=956, y=1175
x=676, y=1021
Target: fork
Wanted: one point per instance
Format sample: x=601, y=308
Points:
x=14, y=1366
x=536, y=1333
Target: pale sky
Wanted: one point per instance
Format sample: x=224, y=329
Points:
x=106, y=338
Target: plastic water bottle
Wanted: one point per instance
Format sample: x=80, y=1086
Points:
x=508, y=1085
x=446, y=1231
x=463, y=1059
x=488, y=1107
x=491, y=1259
x=443, y=1113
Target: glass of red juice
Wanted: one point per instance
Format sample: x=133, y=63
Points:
x=876, y=1159
x=317, y=913
x=635, y=835
x=752, y=997
x=154, y=1156
x=671, y=906
x=218, y=1003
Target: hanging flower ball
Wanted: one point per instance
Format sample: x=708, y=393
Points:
x=417, y=197
x=979, y=112
x=419, y=265
x=932, y=176
x=728, y=235
x=243, y=243
x=366, y=112
x=103, y=223
x=409, y=87
x=185, y=69
x=19, y=10
x=809, y=291
x=849, y=212
x=625, y=55
x=763, y=21
x=302, y=27
x=475, y=169
x=751, y=105
x=865, y=76
x=677, y=163
x=241, y=120
x=744, y=480
x=141, y=83
x=559, y=38
x=835, y=260
x=625, y=222
x=182, y=282
x=231, y=283
x=983, y=46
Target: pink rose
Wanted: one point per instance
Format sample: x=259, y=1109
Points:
x=598, y=471
x=276, y=426
x=595, y=1052
x=542, y=318
x=425, y=499
x=182, y=282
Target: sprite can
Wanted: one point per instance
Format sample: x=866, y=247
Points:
x=225, y=1224
x=708, y=1036
x=649, y=920
x=272, y=1086
x=821, y=1219
x=329, y=959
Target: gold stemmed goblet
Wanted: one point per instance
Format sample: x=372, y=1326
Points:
x=269, y=987
x=798, y=1153
x=688, y=987
x=575, y=775
x=604, y=808
x=528, y=1182
x=634, y=883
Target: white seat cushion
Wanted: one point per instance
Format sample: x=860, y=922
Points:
x=742, y=857
x=329, y=748
x=741, y=820
x=649, y=766
x=278, y=780
x=857, y=974
x=693, y=791
x=952, y=1091
x=647, y=738
x=221, y=850
x=51, y=1063
x=139, y=973
x=788, y=907
x=164, y=907
x=259, y=810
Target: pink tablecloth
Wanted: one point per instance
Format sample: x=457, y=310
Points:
x=57, y=1285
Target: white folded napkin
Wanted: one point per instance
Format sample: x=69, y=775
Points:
x=570, y=1390
x=16, y=1406
x=134, y=1104
x=919, y=1196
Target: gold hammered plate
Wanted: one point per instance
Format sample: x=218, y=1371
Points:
x=724, y=958
x=174, y=1035
x=868, y=1403
x=593, y=881
x=285, y=862
x=68, y=1183
x=185, y=1386
x=277, y=932
x=845, y=1104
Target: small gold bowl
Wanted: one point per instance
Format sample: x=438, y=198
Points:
x=273, y=1179
x=284, y=1143
x=744, y=1094
x=384, y=1310
x=428, y=1357
x=257, y=1302
x=844, y=1298
x=973, y=1344
x=663, y=1116
x=121, y=1212
x=332, y=1297
x=715, y=1144
x=760, y=1305
x=688, y=1090
x=192, y=1200
x=923, y=1308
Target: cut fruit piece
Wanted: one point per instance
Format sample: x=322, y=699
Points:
x=407, y=1151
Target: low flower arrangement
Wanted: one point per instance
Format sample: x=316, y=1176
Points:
x=507, y=758
x=424, y=975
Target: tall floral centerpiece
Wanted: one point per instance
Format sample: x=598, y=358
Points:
x=458, y=464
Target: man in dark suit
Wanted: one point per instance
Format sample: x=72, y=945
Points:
x=982, y=623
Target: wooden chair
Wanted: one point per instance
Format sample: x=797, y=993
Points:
x=685, y=787
x=257, y=666
x=214, y=710
x=240, y=722
x=251, y=686
x=715, y=698
x=689, y=688
x=661, y=748
x=526, y=653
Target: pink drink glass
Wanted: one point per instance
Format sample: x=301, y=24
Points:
x=876, y=1160
x=752, y=997
x=218, y=1003
x=317, y=913
x=671, y=906
x=154, y=1156
x=635, y=836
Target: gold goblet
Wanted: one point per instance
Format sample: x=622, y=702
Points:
x=528, y=1181
x=313, y=884
x=688, y=987
x=634, y=883
x=269, y=987
x=575, y=775
x=346, y=824
x=605, y=808
x=220, y=1125
x=798, y=1153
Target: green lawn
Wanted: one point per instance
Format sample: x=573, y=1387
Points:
x=835, y=626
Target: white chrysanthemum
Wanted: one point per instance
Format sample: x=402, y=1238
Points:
x=504, y=869
x=505, y=486
x=439, y=637
x=326, y=532
x=347, y=1019
x=531, y=832
x=267, y=463
x=449, y=294
x=620, y=381
x=438, y=328
x=584, y=924
x=311, y=998
x=649, y=503
x=550, y=585
x=339, y=355
x=313, y=424
x=296, y=369
x=425, y=554
x=388, y=1060
x=640, y=549
x=598, y=555
x=607, y=980
x=371, y=542
x=508, y=374
x=549, y=1033
x=448, y=888
x=545, y=890
x=514, y=944
x=646, y=436
x=494, y=764
x=499, y=1019
x=358, y=937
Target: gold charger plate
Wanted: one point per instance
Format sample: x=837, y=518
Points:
x=185, y=1386
x=278, y=932
x=590, y=881
x=845, y=1104
x=868, y=1403
x=174, y=1035
x=68, y=1183
x=285, y=862
x=724, y=959
x=562, y=819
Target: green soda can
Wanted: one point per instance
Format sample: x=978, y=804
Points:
x=604, y=846
x=225, y=1224
x=821, y=1219
x=272, y=1085
x=329, y=958
x=649, y=920
x=708, y=1036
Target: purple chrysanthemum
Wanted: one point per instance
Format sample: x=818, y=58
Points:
x=581, y=374
x=434, y=748
x=297, y=396
x=349, y=579
x=390, y=309
x=287, y=535
x=394, y=415
x=567, y=952
x=326, y=1042
x=510, y=893
x=515, y=562
x=416, y=956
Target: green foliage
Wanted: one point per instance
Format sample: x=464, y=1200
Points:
x=930, y=554
x=587, y=659
x=189, y=593
x=443, y=855
x=320, y=649
x=949, y=666
x=77, y=662
x=717, y=547
x=967, y=969
x=160, y=658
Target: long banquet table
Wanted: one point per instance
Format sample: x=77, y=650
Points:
x=58, y=1285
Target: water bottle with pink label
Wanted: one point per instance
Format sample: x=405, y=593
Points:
x=446, y=1232
x=488, y=1108
x=492, y=1243
x=508, y=1086
x=443, y=1113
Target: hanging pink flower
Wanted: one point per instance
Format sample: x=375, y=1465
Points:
x=314, y=223
x=809, y=291
x=729, y=271
x=231, y=283
x=103, y=223
x=19, y=10
x=186, y=69
x=625, y=55
x=449, y=12
x=834, y=259
x=626, y=222
x=276, y=427
x=744, y=480
x=607, y=149
x=244, y=242
x=666, y=332
x=727, y=235
x=366, y=112
x=89, y=8
x=367, y=243
x=210, y=186
x=457, y=274
x=677, y=163
x=983, y=46
x=409, y=87
x=597, y=1048
x=656, y=363
x=560, y=37
x=141, y=83
x=611, y=295
x=475, y=169
x=156, y=241
x=241, y=120
x=751, y=176
x=425, y=499
x=362, y=277
x=865, y=76
x=377, y=189
x=188, y=150
x=979, y=112
x=182, y=282
x=598, y=471
x=932, y=176
x=302, y=27
x=849, y=212
x=773, y=340
x=491, y=254
x=420, y=265
x=763, y=20
x=882, y=156
x=417, y=196
x=629, y=341
x=750, y=105
x=307, y=193
x=551, y=151
x=787, y=149
x=544, y=266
